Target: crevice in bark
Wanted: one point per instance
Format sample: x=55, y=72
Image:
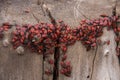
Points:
x=93, y=62
x=35, y=17
x=57, y=50
x=38, y=2
x=41, y=3
x=116, y=33
x=43, y=64
x=56, y=64
x=42, y=8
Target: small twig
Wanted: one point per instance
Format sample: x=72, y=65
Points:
x=38, y=2
x=114, y=9
x=93, y=64
x=53, y=21
x=83, y=14
x=42, y=3
x=35, y=17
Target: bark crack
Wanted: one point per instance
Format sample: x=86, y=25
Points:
x=42, y=3
x=35, y=17
x=116, y=33
x=93, y=62
x=57, y=49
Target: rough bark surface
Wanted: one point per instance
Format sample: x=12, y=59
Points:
x=92, y=65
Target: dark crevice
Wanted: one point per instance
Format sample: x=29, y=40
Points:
x=56, y=64
x=88, y=76
x=41, y=3
x=43, y=65
x=38, y=2
x=114, y=13
x=35, y=17
x=57, y=50
x=92, y=70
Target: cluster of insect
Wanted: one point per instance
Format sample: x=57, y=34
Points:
x=5, y=27
x=43, y=38
x=89, y=30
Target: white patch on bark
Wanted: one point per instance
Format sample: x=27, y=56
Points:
x=76, y=9
x=5, y=43
x=6, y=39
x=20, y=50
x=109, y=69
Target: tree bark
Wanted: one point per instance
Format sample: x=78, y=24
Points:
x=92, y=65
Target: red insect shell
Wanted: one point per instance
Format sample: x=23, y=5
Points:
x=92, y=28
x=105, y=23
x=68, y=29
x=67, y=63
x=93, y=45
x=62, y=71
x=51, y=26
x=22, y=39
x=6, y=23
x=64, y=57
x=109, y=23
x=13, y=40
x=115, y=29
x=36, y=31
x=65, y=70
x=51, y=61
x=69, y=68
x=39, y=51
x=32, y=30
x=108, y=42
x=36, y=26
x=101, y=22
x=94, y=24
x=5, y=28
x=103, y=15
x=62, y=63
x=117, y=39
x=26, y=11
x=55, y=36
x=44, y=35
x=64, y=48
x=114, y=18
x=40, y=31
x=40, y=47
x=118, y=51
x=45, y=31
x=49, y=31
x=99, y=41
x=118, y=29
x=22, y=33
x=87, y=42
x=48, y=72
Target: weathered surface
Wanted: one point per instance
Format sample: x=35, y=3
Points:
x=106, y=66
x=12, y=65
x=92, y=65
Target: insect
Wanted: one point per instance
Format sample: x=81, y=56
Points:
x=43, y=38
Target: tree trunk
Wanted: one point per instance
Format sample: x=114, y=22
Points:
x=99, y=64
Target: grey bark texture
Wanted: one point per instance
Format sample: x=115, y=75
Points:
x=99, y=64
